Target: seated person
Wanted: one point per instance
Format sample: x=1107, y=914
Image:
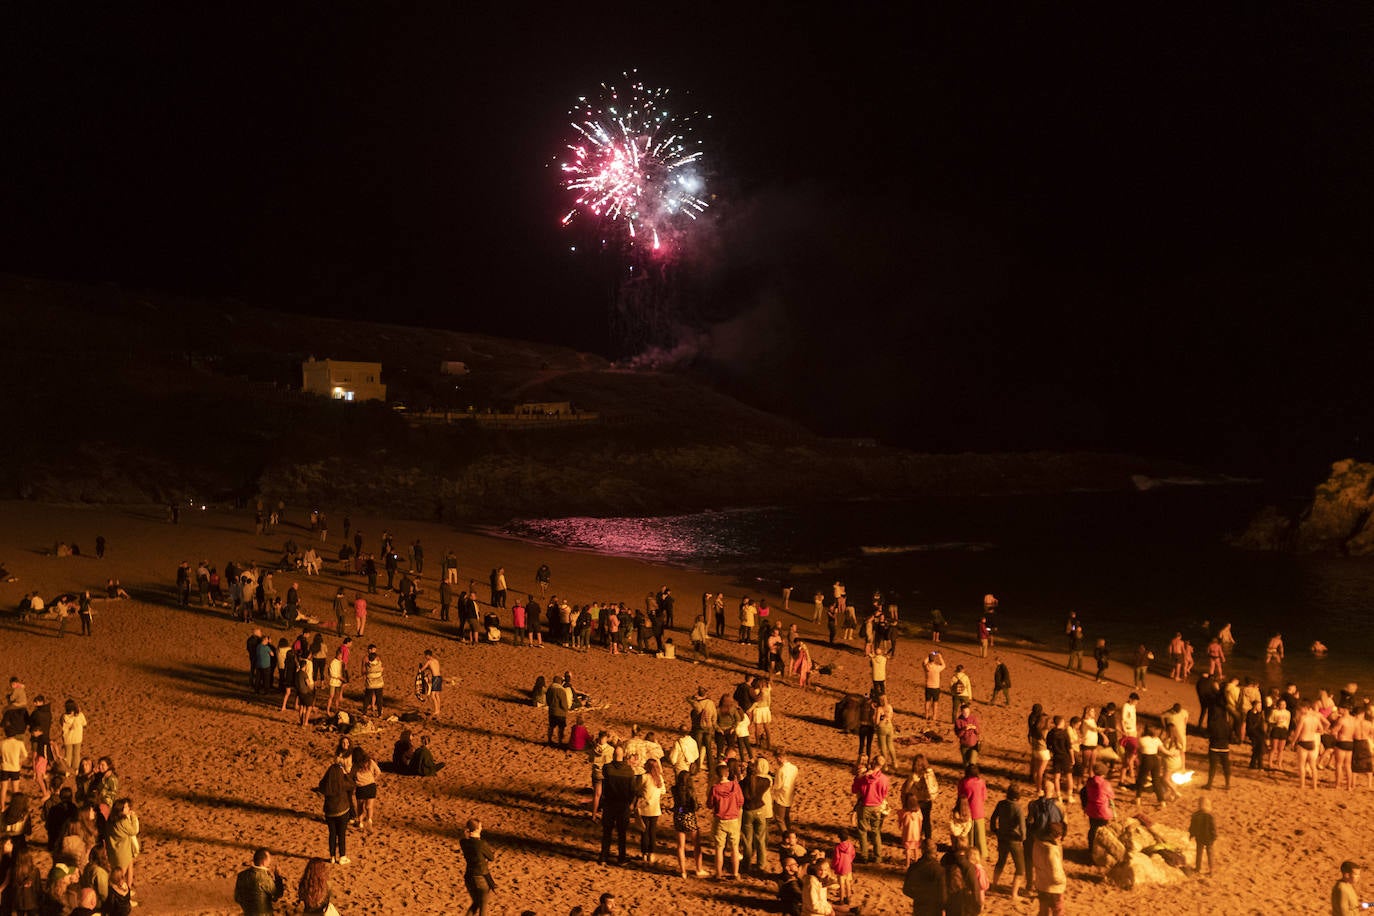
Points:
x=403, y=753
x=791, y=846
x=539, y=693
x=114, y=590
x=424, y=763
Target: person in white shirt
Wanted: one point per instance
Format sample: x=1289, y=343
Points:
x=933, y=664
x=784, y=789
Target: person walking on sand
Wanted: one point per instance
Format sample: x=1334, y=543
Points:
x=477, y=859
x=1101, y=656
x=1001, y=683
x=337, y=787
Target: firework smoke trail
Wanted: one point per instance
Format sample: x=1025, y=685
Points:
x=633, y=161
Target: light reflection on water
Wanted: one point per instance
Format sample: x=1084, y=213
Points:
x=1137, y=567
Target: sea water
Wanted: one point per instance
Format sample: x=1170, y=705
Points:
x=1137, y=566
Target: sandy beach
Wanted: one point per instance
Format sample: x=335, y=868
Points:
x=216, y=771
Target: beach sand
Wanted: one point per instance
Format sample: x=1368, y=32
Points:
x=216, y=771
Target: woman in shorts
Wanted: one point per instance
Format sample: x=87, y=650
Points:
x=685, y=821
x=365, y=772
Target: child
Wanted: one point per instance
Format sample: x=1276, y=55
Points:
x=1203, y=830
x=844, y=864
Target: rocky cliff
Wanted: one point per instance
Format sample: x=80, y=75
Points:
x=1338, y=520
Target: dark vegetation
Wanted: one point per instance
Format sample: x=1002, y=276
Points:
x=120, y=397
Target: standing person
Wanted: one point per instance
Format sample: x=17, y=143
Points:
x=726, y=801
x=1075, y=662
x=1001, y=683
x=543, y=576
x=1345, y=900
x=259, y=885
x=477, y=859
x=758, y=805
x=1143, y=657
x=784, y=789
x=924, y=882
x=337, y=787
x=967, y=731
x=1203, y=830
x=1101, y=656
x=373, y=682
x=685, y=822
x=1176, y=657
x=818, y=606
x=801, y=666
x=100, y=546
x=121, y=837
x=1097, y=803
x=305, y=691
x=335, y=676
x=1008, y=825
x=365, y=773
x=84, y=612
x=1150, y=769
x=617, y=795
x=871, y=788
x=559, y=700
x=842, y=860
x=359, y=614
x=649, y=791
x=927, y=788
x=877, y=666
x=1219, y=751
x=911, y=820
x=974, y=790
x=933, y=664
x=430, y=668
x=73, y=726
x=1050, y=880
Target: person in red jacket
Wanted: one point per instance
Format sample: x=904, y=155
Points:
x=726, y=801
x=1097, y=802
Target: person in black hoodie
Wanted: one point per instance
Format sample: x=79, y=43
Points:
x=617, y=795
x=477, y=856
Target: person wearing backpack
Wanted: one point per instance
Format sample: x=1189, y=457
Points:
x=1040, y=814
x=925, y=882
x=1008, y=824
x=1050, y=881
x=963, y=890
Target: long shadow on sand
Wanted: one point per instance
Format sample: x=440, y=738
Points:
x=203, y=799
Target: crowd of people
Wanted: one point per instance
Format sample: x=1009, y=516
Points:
x=54, y=796
x=724, y=781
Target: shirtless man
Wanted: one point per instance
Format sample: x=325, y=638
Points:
x=1306, y=736
x=1344, y=731
x=1176, y=656
x=436, y=682
x=1273, y=653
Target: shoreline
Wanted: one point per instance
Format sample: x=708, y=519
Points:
x=216, y=771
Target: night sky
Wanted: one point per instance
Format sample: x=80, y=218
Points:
x=987, y=230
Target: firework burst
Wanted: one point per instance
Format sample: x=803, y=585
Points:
x=633, y=161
